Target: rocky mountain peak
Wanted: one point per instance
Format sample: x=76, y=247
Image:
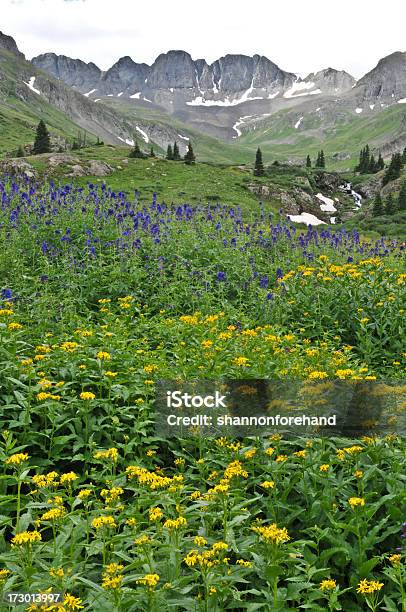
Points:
x=330, y=80
x=7, y=43
x=387, y=81
x=173, y=69
x=74, y=72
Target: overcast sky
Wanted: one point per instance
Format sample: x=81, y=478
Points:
x=300, y=36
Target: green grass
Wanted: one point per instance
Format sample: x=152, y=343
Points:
x=19, y=117
x=347, y=137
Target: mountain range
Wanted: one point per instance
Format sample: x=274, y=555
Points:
x=237, y=99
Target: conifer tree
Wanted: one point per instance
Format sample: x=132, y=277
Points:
x=308, y=162
x=259, y=166
x=377, y=210
x=151, y=153
x=380, y=163
x=169, y=152
x=322, y=159
x=404, y=157
x=20, y=152
x=189, y=157
x=390, y=207
x=395, y=167
x=42, y=143
x=402, y=197
x=176, y=154
x=136, y=152
x=372, y=165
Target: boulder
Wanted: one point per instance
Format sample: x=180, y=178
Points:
x=99, y=168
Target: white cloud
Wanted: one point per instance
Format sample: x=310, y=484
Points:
x=299, y=36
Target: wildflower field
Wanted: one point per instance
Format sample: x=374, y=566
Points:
x=103, y=295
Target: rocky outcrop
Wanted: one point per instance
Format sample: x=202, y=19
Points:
x=7, y=43
x=18, y=167
x=172, y=69
x=124, y=76
x=175, y=70
x=386, y=82
x=331, y=81
x=74, y=72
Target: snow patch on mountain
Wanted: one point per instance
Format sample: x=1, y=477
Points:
x=245, y=97
x=300, y=88
x=240, y=121
x=136, y=96
x=306, y=218
x=183, y=137
x=30, y=84
x=89, y=93
x=402, y=101
x=298, y=122
x=358, y=110
x=328, y=203
x=143, y=134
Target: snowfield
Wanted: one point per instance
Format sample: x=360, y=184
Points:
x=245, y=97
x=143, y=134
x=306, y=218
x=301, y=89
x=328, y=203
x=30, y=84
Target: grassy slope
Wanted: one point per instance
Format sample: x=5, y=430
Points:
x=19, y=118
x=208, y=147
x=348, y=137
x=173, y=181
x=276, y=135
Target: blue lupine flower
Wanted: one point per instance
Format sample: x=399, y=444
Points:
x=220, y=277
x=7, y=294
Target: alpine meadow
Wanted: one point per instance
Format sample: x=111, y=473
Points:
x=226, y=228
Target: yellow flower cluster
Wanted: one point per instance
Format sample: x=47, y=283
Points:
x=53, y=515
x=17, y=459
x=366, y=587
x=104, y=521
x=155, y=514
x=171, y=524
x=26, y=537
x=111, y=454
x=327, y=585
x=395, y=559
x=207, y=558
x=112, y=495
x=87, y=396
x=272, y=533
x=149, y=580
x=151, y=479
x=43, y=395
x=356, y=501
x=112, y=578
x=45, y=480
x=68, y=477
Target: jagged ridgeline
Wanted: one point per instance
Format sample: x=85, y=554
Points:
x=227, y=108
